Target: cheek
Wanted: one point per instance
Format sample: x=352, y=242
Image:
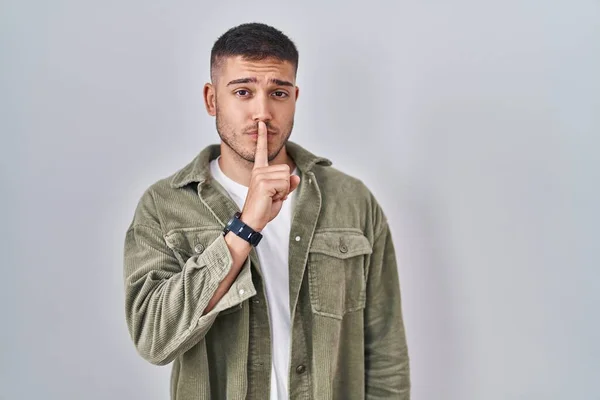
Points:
x=233, y=113
x=287, y=112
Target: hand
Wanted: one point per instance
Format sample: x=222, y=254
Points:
x=269, y=187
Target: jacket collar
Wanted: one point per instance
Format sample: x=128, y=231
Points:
x=199, y=169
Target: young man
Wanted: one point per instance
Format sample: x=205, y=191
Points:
x=296, y=297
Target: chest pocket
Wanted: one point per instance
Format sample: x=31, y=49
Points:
x=187, y=242
x=336, y=272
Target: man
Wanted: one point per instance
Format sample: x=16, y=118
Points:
x=296, y=297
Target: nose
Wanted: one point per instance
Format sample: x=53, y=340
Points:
x=261, y=109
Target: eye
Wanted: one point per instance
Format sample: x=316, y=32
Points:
x=242, y=93
x=280, y=94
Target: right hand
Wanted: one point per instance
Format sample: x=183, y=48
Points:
x=269, y=186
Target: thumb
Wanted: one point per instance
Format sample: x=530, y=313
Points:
x=294, y=182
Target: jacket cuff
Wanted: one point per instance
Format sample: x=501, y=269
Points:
x=217, y=258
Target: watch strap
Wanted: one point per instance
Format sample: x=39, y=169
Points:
x=239, y=228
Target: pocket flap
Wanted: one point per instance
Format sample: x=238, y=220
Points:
x=340, y=244
x=190, y=241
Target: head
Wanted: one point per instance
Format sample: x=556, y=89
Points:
x=253, y=78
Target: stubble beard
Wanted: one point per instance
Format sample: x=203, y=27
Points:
x=231, y=138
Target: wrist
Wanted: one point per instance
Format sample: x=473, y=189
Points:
x=251, y=223
x=238, y=247
x=242, y=229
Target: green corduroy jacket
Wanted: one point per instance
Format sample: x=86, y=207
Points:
x=348, y=339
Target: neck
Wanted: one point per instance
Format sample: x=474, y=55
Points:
x=240, y=170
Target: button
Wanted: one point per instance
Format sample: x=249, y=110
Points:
x=256, y=301
x=300, y=369
x=199, y=248
x=343, y=248
x=297, y=238
x=242, y=291
x=309, y=180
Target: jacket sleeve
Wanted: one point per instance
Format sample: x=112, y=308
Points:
x=387, y=373
x=164, y=302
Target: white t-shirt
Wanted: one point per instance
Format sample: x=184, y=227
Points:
x=273, y=252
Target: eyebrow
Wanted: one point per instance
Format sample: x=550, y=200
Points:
x=277, y=82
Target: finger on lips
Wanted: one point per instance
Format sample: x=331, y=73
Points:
x=261, y=157
x=261, y=160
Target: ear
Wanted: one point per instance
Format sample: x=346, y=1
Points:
x=297, y=92
x=210, y=99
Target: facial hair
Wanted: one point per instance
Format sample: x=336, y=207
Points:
x=231, y=138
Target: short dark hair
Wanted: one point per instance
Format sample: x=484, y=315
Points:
x=253, y=41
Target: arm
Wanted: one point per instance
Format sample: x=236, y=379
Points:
x=169, y=309
x=387, y=374
x=239, y=250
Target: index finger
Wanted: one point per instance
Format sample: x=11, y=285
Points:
x=261, y=157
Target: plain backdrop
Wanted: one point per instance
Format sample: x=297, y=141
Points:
x=476, y=125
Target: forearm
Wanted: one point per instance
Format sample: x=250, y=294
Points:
x=165, y=304
x=239, y=250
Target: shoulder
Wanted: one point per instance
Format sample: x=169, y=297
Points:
x=159, y=197
x=347, y=200
x=337, y=182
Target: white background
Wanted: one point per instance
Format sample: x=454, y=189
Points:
x=476, y=125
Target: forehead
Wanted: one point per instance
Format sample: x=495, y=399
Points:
x=238, y=67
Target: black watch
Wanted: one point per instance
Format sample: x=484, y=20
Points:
x=236, y=226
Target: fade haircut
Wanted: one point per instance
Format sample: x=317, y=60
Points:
x=254, y=42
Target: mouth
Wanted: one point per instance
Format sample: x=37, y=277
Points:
x=254, y=135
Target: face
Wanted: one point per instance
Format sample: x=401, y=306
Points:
x=245, y=92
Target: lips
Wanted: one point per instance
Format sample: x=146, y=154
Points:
x=254, y=136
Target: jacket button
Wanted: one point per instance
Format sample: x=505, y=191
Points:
x=199, y=248
x=300, y=369
x=343, y=248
